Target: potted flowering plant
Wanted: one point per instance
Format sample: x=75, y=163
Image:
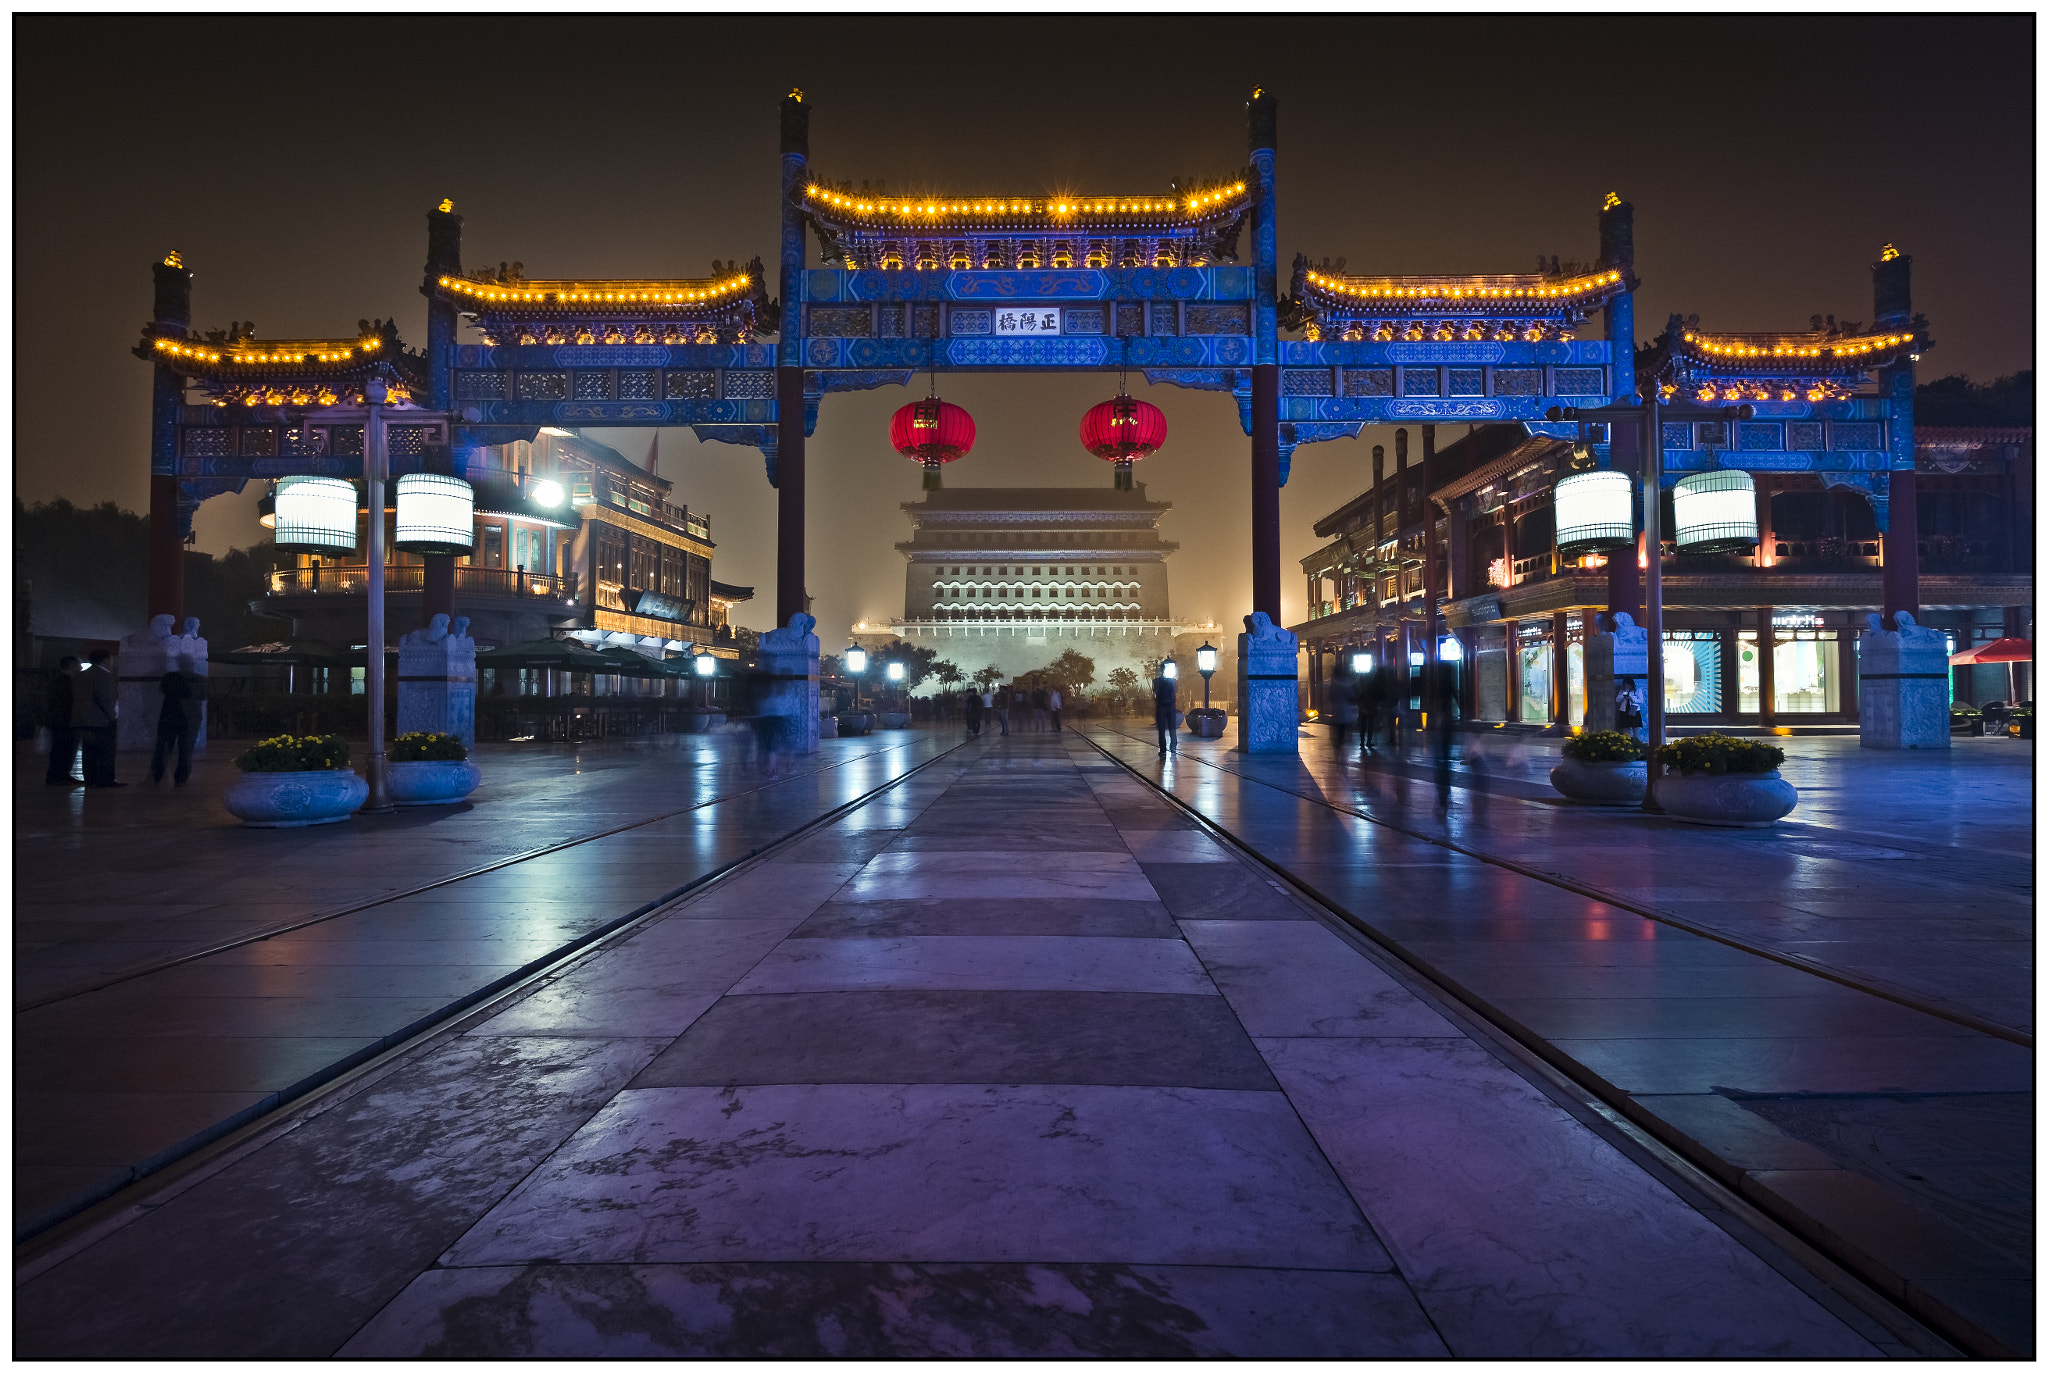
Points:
x=1604, y=768
x=430, y=769
x=1715, y=779
x=288, y=782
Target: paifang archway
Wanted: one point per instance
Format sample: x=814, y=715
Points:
x=1165, y=284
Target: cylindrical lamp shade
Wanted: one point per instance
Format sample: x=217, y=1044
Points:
x=436, y=514
x=1595, y=510
x=316, y=514
x=1715, y=512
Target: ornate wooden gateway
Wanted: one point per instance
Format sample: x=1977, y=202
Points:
x=1181, y=284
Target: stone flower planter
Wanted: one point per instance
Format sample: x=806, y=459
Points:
x=288, y=800
x=828, y=726
x=893, y=719
x=1206, y=724
x=853, y=722
x=1740, y=800
x=701, y=721
x=431, y=784
x=1601, y=784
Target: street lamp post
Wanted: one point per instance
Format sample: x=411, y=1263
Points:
x=374, y=396
x=1205, y=663
x=1650, y=414
x=856, y=664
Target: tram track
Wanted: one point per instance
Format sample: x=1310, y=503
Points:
x=129, y=973
x=1953, y=1015
x=89, y=1212
x=1677, y=1161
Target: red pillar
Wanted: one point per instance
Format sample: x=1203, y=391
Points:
x=1900, y=545
x=1560, y=684
x=437, y=583
x=1766, y=668
x=1514, y=684
x=790, y=598
x=166, y=551
x=1266, y=491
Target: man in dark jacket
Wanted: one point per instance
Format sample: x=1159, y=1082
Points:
x=95, y=703
x=57, y=703
x=1165, y=695
x=177, y=724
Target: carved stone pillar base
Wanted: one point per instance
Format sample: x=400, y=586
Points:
x=1268, y=697
x=437, y=681
x=1902, y=685
x=790, y=658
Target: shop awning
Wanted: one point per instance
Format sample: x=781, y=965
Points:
x=1997, y=651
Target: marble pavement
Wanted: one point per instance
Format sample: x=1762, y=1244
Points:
x=1011, y=1060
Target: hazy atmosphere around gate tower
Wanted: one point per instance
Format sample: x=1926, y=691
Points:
x=286, y=222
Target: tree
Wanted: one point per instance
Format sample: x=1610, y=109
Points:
x=987, y=677
x=1072, y=669
x=948, y=674
x=1124, y=683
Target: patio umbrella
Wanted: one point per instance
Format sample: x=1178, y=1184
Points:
x=290, y=654
x=2007, y=651
x=559, y=654
x=632, y=664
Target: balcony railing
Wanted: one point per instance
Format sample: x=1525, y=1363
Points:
x=352, y=579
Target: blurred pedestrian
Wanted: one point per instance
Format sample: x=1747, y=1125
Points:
x=1165, y=712
x=1340, y=698
x=1442, y=715
x=95, y=706
x=1053, y=704
x=1004, y=699
x=1628, y=708
x=973, y=712
x=1039, y=709
x=176, y=728
x=768, y=725
x=57, y=706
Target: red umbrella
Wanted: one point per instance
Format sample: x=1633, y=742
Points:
x=2007, y=651
x=1997, y=651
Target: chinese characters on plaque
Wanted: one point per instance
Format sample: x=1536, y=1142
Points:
x=1035, y=319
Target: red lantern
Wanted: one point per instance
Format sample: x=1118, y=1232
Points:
x=1122, y=431
x=933, y=433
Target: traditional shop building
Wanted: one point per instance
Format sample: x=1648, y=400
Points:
x=567, y=538
x=1762, y=635
x=1014, y=576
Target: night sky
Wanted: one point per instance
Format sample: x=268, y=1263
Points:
x=292, y=163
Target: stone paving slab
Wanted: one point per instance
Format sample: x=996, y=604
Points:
x=1711, y=1041
x=136, y=1064
x=971, y=1172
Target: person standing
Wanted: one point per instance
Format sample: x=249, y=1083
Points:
x=95, y=704
x=177, y=725
x=1053, y=702
x=1003, y=702
x=1038, y=709
x=1165, y=703
x=1372, y=691
x=973, y=713
x=57, y=706
x=1628, y=708
x=1343, y=701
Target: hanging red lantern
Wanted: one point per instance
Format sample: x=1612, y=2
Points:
x=1122, y=431
x=933, y=433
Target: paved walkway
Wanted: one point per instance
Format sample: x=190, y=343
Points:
x=176, y=973
x=1012, y=1059
x=1896, y=1138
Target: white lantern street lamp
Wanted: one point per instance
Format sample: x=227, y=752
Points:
x=1450, y=650
x=1595, y=511
x=895, y=672
x=1715, y=512
x=856, y=664
x=1170, y=670
x=436, y=514
x=547, y=493
x=316, y=514
x=1361, y=663
x=1205, y=663
x=706, y=665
